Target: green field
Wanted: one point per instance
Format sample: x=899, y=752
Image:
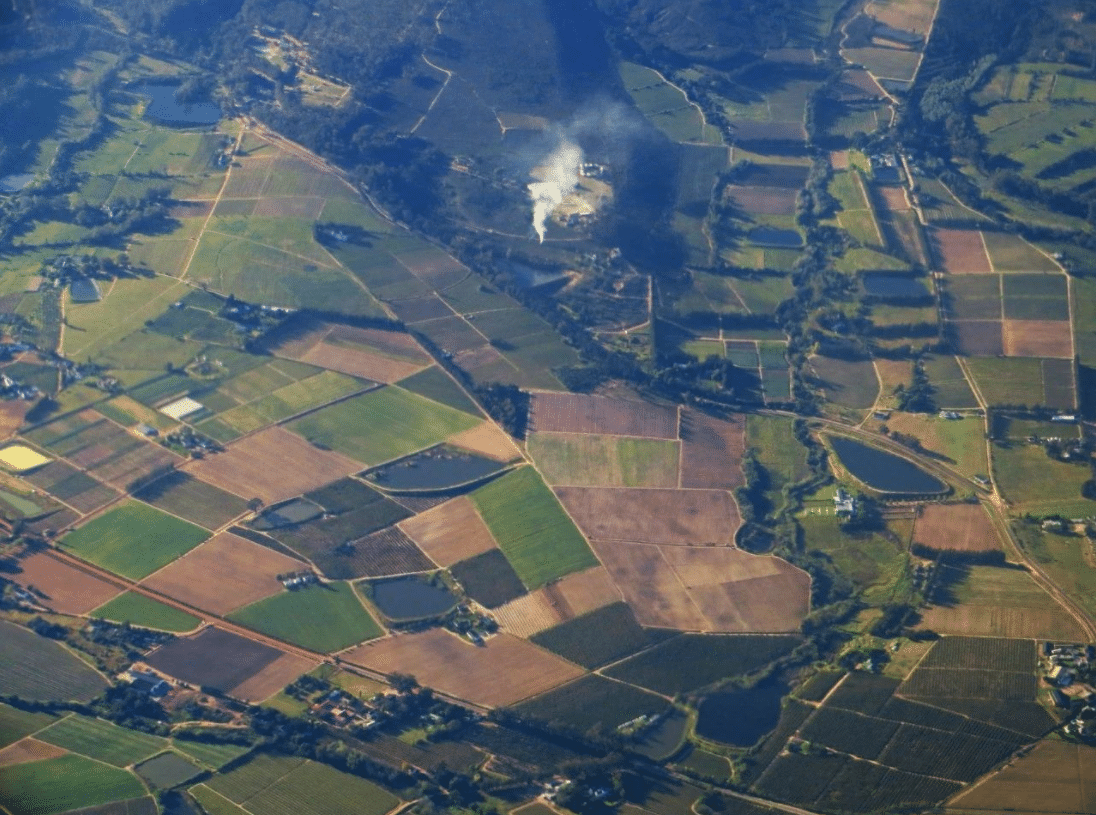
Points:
x=213, y=803
x=1011, y=253
x=531, y=528
x=16, y=724
x=598, y=637
x=607, y=461
x=1065, y=560
x=665, y=106
x=1025, y=475
x=691, y=661
x=326, y=617
x=137, y=609
x=1008, y=380
x=872, y=561
x=134, y=540
x=166, y=771
x=34, y=667
x=126, y=304
x=381, y=425
x=785, y=460
x=209, y=753
x=435, y=384
x=61, y=784
x=961, y=440
x=102, y=741
x=289, y=400
x=593, y=700
x=951, y=389
x=258, y=773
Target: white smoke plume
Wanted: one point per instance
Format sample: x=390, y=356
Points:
x=559, y=177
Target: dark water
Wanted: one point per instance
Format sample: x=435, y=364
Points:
x=664, y=738
x=409, y=598
x=741, y=717
x=898, y=287
x=883, y=471
x=84, y=291
x=435, y=469
x=780, y=238
x=163, y=107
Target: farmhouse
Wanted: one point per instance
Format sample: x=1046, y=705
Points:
x=843, y=503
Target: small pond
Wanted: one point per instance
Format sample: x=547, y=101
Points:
x=896, y=287
x=411, y=598
x=163, y=107
x=84, y=290
x=884, y=471
x=779, y=238
x=664, y=738
x=435, y=469
x=741, y=717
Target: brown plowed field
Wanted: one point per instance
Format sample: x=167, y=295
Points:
x=294, y=207
x=653, y=515
x=711, y=451
x=650, y=586
x=839, y=159
x=581, y=592
x=124, y=470
x=272, y=678
x=488, y=440
x=223, y=574
x=894, y=198
x=765, y=200
x=421, y=308
x=956, y=528
x=578, y=413
x=12, y=413
x=503, y=671
x=960, y=251
x=434, y=267
x=1038, y=338
x=1056, y=776
x=273, y=464
x=979, y=338
x=382, y=356
x=528, y=614
x=214, y=657
x=356, y=362
x=29, y=750
x=450, y=533
x=1002, y=621
x=68, y=590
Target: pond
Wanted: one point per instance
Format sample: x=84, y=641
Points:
x=662, y=740
x=741, y=717
x=411, y=598
x=163, y=107
x=779, y=238
x=84, y=290
x=438, y=468
x=883, y=471
x=896, y=287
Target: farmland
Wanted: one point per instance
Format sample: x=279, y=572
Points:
x=102, y=741
x=326, y=617
x=37, y=668
x=213, y=658
x=592, y=700
x=598, y=637
x=192, y=500
x=166, y=771
x=488, y=578
x=589, y=460
x=653, y=515
x=64, y=783
x=577, y=413
x=450, y=532
x=133, y=540
x=960, y=441
x=64, y=588
x=137, y=609
x=1051, y=778
x=956, y=528
x=531, y=529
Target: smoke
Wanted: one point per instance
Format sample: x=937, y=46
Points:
x=560, y=173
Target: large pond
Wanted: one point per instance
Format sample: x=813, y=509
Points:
x=884, y=471
x=164, y=107
x=741, y=717
x=774, y=236
x=411, y=598
x=897, y=287
x=436, y=469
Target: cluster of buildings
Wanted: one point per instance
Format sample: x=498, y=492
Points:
x=343, y=710
x=299, y=580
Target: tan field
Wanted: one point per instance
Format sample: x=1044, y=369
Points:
x=650, y=586
x=450, y=533
x=502, y=672
x=711, y=450
x=956, y=528
x=1038, y=338
x=223, y=574
x=1054, y=777
x=67, y=590
x=529, y=614
x=382, y=356
x=578, y=413
x=960, y=251
x=653, y=515
x=273, y=678
x=272, y=465
x=581, y=592
x=487, y=440
x=29, y=750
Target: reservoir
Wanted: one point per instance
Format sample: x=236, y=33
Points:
x=779, y=238
x=882, y=471
x=741, y=717
x=163, y=107
x=411, y=598
x=436, y=469
x=895, y=287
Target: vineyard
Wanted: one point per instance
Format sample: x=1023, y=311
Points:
x=966, y=684
x=848, y=732
x=864, y=693
x=958, y=756
x=986, y=653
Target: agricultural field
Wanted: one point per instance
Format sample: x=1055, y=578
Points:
x=504, y=671
x=325, y=617
x=711, y=450
x=653, y=515
x=1027, y=476
x=874, y=561
x=579, y=413
x=102, y=741
x=166, y=771
x=592, y=700
x=847, y=384
x=133, y=540
x=960, y=442
x=691, y=661
x=1022, y=381
x=372, y=354
x=488, y=578
x=1067, y=560
x=531, y=528
x=566, y=459
x=572, y=596
x=223, y=574
x=34, y=667
x=138, y=609
x=450, y=532
x=213, y=658
x=61, y=784
x=598, y=637
x=956, y=528
x=666, y=106
x=62, y=587
x=1054, y=777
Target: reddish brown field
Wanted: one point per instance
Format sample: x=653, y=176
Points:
x=650, y=586
x=1038, y=338
x=357, y=362
x=29, y=750
x=711, y=450
x=1054, y=777
x=960, y=251
x=434, y=267
x=578, y=413
x=502, y=672
x=956, y=528
x=295, y=207
x=382, y=356
x=529, y=614
x=134, y=464
x=894, y=198
x=12, y=413
x=581, y=592
x=487, y=440
x=67, y=590
x=450, y=533
x=979, y=338
x=839, y=159
x=223, y=574
x=765, y=200
x=272, y=465
x=271, y=679
x=653, y=515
